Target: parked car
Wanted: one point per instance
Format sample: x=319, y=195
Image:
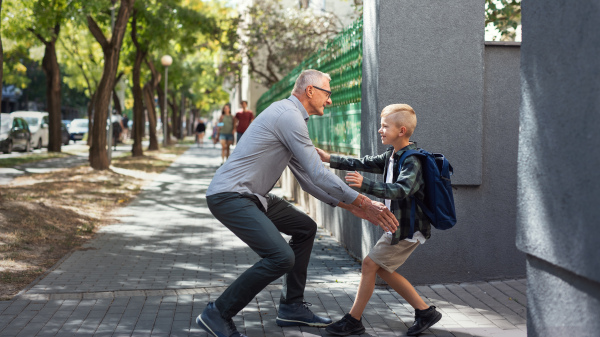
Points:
x=14, y=134
x=38, y=125
x=67, y=123
x=78, y=128
x=64, y=134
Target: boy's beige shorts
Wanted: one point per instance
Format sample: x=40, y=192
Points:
x=391, y=257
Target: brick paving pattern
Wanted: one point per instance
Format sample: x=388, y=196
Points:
x=153, y=272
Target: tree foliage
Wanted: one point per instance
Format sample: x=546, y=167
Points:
x=42, y=20
x=80, y=57
x=16, y=56
x=276, y=39
x=505, y=15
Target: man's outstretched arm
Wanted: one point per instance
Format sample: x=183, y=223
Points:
x=372, y=211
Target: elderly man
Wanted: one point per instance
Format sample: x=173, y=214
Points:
x=238, y=197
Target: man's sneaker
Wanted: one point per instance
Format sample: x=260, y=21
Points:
x=424, y=319
x=295, y=314
x=211, y=321
x=348, y=325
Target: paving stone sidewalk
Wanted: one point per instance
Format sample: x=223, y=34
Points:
x=153, y=272
x=53, y=164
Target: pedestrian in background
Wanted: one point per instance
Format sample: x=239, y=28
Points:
x=125, y=123
x=225, y=132
x=200, y=129
x=243, y=118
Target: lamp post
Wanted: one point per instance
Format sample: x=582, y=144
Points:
x=166, y=61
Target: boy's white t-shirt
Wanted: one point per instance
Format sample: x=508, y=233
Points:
x=388, y=203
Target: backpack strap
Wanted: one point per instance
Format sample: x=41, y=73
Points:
x=413, y=207
x=406, y=154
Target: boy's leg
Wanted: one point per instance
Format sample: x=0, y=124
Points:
x=425, y=316
x=351, y=323
x=365, y=287
x=403, y=288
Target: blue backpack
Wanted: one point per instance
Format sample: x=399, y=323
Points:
x=438, y=204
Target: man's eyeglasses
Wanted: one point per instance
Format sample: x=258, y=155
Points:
x=326, y=91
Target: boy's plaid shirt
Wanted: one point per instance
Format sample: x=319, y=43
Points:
x=407, y=182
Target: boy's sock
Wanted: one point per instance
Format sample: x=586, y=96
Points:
x=424, y=319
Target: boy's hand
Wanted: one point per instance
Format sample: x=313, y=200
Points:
x=354, y=179
x=325, y=157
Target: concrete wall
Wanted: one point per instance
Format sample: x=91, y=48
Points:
x=559, y=180
x=431, y=57
x=482, y=245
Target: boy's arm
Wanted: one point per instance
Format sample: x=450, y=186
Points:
x=362, y=207
x=407, y=184
x=372, y=164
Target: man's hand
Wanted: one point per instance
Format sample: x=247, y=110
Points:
x=375, y=212
x=382, y=215
x=325, y=157
x=354, y=179
x=357, y=211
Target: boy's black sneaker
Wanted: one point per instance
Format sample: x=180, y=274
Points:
x=348, y=325
x=424, y=319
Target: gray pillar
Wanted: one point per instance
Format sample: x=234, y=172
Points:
x=428, y=55
x=559, y=176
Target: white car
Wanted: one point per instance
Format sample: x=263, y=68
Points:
x=78, y=128
x=38, y=125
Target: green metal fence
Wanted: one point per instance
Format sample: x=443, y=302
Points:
x=338, y=129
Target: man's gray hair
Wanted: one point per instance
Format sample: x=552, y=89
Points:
x=309, y=77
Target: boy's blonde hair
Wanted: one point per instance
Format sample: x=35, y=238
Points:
x=402, y=115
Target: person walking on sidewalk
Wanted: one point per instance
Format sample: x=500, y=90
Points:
x=243, y=119
x=239, y=198
x=200, y=129
x=225, y=131
x=398, y=122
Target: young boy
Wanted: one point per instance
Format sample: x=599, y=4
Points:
x=398, y=122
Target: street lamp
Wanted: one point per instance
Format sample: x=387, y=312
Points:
x=166, y=62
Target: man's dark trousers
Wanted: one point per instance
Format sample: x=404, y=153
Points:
x=244, y=215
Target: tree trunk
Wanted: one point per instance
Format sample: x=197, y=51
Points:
x=138, y=95
x=111, y=50
x=149, y=89
x=116, y=101
x=53, y=93
x=182, y=116
x=149, y=98
x=172, y=125
x=189, y=122
x=90, y=114
x=138, y=106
